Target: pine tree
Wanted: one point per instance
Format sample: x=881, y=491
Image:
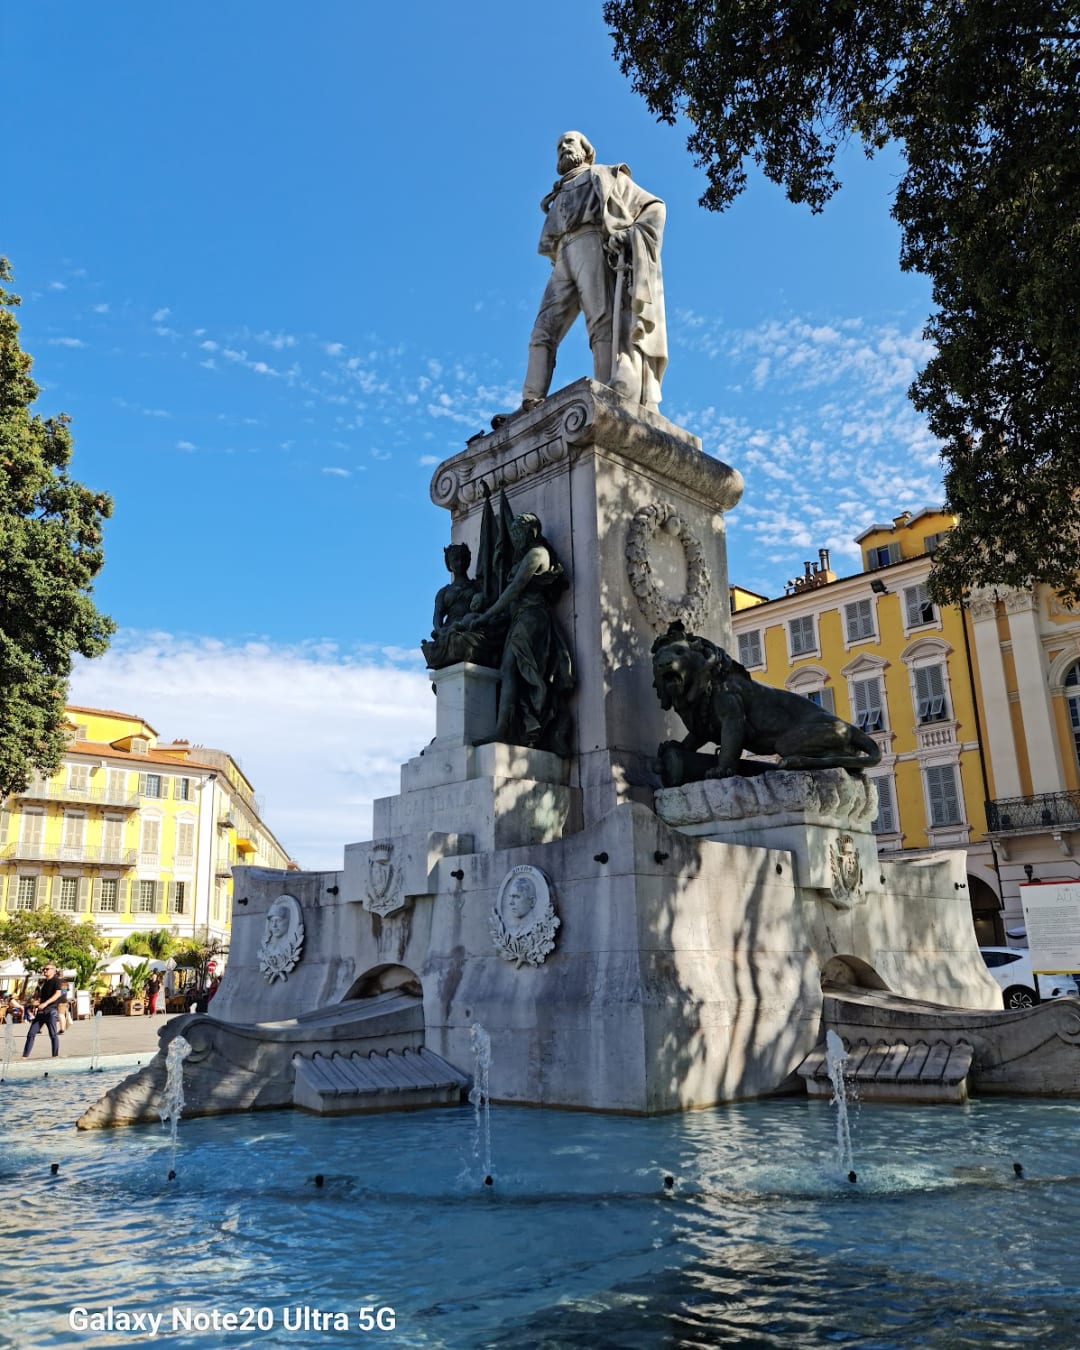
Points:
x=50, y=552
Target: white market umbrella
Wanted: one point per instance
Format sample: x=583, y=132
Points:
x=12, y=970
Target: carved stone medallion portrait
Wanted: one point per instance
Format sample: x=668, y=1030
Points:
x=383, y=892
x=847, y=887
x=523, y=919
x=283, y=939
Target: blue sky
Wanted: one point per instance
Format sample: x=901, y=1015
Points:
x=277, y=261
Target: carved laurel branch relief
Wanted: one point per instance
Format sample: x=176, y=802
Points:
x=657, y=608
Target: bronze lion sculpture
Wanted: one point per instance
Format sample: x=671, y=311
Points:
x=722, y=705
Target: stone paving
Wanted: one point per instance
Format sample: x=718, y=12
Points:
x=126, y=1040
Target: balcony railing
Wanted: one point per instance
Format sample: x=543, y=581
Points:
x=93, y=796
x=1044, y=811
x=94, y=854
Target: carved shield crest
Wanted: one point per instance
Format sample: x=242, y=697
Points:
x=383, y=893
x=847, y=876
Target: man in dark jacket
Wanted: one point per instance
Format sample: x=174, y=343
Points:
x=49, y=993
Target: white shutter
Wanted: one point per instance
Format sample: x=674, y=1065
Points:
x=886, y=816
x=84, y=894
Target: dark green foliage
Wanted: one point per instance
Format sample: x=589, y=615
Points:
x=983, y=99
x=50, y=552
x=38, y=936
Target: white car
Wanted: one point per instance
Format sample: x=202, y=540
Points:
x=1020, y=987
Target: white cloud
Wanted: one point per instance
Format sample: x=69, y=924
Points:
x=185, y=445
x=320, y=733
x=66, y=342
x=160, y=315
x=337, y=473
x=100, y=309
x=429, y=461
x=57, y=286
x=333, y=348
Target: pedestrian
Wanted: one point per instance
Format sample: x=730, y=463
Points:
x=49, y=993
x=153, y=989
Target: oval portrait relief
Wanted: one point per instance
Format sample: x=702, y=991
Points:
x=523, y=919
x=283, y=938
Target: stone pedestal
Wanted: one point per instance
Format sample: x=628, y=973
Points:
x=635, y=513
x=466, y=704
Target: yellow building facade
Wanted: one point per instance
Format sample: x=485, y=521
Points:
x=876, y=650
x=133, y=833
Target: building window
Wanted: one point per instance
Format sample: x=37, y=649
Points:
x=33, y=828
x=886, y=816
x=147, y=897
x=185, y=839
x=79, y=778
x=179, y=897
x=869, y=706
x=882, y=556
x=859, y=620
x=151, y=837
x=151, y=785
x=1072, y=681
x=823, y=698
x=26, y=895
x=802, y=635
x=918, y=607
x=943, y=795
x=750, y=648
x=183, y=789
x=109, y=896
x=139, y=745
x=68, y=899
x=930, y=694
x=933, y=541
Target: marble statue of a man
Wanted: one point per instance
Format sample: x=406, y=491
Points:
x=603, y=234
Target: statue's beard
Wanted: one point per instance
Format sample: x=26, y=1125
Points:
x=569, y=160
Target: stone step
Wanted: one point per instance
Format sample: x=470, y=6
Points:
x=390, y=1080
x=894, y=1071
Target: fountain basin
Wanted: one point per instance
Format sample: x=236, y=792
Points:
x=576, y=1244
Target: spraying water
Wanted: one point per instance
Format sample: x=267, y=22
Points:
x=172, y=1099
x=95, y=1043
x=478, y=1095
x=9, y=1043
x=835, y=1059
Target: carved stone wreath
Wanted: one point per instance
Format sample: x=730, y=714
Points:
x=530, y=944
x=659, y=611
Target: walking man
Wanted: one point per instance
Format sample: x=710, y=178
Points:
x=49, y=993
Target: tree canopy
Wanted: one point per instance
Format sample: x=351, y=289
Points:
x=50, y=552
x=38, y=936
x=983, y=100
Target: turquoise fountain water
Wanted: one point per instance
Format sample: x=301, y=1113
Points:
x=578, y=1245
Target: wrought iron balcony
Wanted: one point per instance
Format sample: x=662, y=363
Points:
x=92, y=796
x=99, y=855
x=1045, y=811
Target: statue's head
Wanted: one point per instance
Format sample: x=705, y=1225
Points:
x=683, y=666
x=521, y=898
x=524, y=530
x=573, y=151
x=277, y=921
x=457, y=557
